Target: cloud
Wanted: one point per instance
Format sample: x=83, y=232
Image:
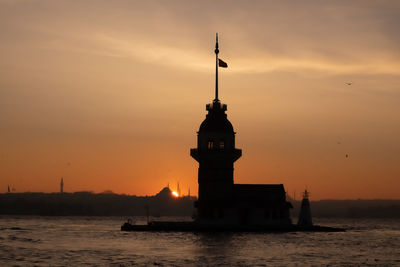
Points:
x=156, y=52
x=329, y=38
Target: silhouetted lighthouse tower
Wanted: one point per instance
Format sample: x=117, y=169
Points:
x=216, y=154
x=305, y=211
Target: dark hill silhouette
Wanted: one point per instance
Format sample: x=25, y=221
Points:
x=373, y=208
x=90, y=204
x=164, y=204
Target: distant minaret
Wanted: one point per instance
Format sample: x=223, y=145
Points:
x=178, y=190
x=189, y=192
x=305, y=212
x=62, y=186
x=9, y=191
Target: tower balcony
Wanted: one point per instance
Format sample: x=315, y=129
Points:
x=228, y=154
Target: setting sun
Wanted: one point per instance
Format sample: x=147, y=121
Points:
x=175, y=194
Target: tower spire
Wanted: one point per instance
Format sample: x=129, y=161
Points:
x=216, y=68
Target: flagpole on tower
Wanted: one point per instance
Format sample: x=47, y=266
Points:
x=216, y=68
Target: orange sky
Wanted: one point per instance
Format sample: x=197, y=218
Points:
x=110, y=94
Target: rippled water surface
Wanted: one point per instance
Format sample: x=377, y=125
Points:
x=72, y=241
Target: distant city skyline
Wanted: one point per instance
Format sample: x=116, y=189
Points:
x=176, y=190
x=109, y=96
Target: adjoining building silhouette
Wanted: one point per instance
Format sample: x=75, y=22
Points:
x=220, y=201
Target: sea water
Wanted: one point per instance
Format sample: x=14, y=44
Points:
x=98, y=241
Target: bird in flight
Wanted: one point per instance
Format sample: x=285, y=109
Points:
x=349, y=83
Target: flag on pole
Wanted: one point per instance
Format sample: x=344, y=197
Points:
x=222, y=63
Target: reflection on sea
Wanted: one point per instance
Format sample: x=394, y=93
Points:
x=66, y=241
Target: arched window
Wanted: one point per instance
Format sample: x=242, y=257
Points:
x=210, y=144
x=221, y=144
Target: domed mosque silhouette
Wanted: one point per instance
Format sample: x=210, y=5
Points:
x=223, y=205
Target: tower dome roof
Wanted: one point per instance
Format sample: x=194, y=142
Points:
x=216, y=119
